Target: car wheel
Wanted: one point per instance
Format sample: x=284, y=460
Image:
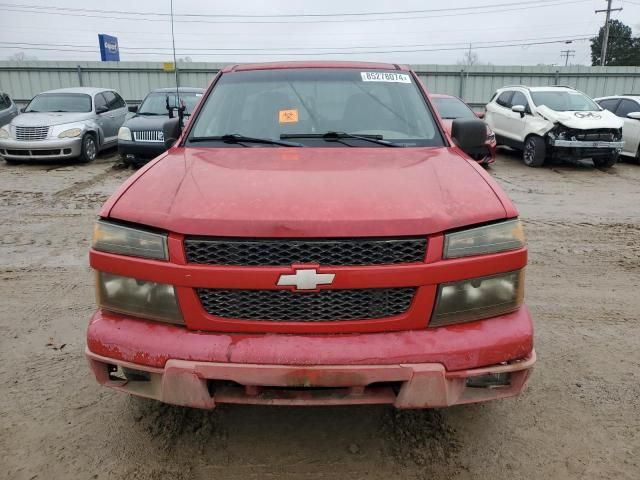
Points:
x=534, y=151
x=89, y=148
x=606, y=162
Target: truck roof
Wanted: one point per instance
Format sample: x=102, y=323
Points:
x=314, y=64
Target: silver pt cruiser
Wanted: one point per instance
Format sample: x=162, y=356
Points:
x=64, y=123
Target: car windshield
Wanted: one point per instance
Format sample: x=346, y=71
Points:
x=451, y=108
x=156, y=103
x=306, y=103
x=566, y=101
x=60, y=102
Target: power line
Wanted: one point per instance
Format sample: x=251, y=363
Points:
x=559, y=39
x=340, y=20
x=297, y=53
x=284, y=15
x=566, y=54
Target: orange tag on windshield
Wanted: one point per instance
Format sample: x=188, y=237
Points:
x=288, y=116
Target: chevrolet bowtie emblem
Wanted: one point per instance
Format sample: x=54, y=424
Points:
x=306, y=279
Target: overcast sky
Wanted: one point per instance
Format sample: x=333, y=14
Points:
x=255, y=30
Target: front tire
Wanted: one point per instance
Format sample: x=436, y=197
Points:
x=534, y=151
x=606, y=162
x=89, y=150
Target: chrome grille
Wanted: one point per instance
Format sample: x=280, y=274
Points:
x=31, y=133
x=148, y=136
x=322, y=306
x=282, y=252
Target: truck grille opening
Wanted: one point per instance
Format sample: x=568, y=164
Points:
x=596, y=134
x=322, y=306
x=285, y=252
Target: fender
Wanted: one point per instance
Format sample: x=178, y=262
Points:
x=91, y=126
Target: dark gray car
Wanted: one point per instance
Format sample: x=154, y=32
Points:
x=140, y=138
x=8, y=109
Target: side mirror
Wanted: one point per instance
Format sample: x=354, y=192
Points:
x=480, y=114
x=519, y=109
x=133, y=108
x=634, y=115
x=102, y=109
x=171, y=131
x=469, y=134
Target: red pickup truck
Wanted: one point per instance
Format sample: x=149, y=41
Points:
x=313, y=236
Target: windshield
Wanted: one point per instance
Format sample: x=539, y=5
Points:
x=60, y=102
x=564, y=101
x=452, y=108
x=156, y=103
x=273, y=104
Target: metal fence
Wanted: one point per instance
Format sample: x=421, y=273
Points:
x=23, y=80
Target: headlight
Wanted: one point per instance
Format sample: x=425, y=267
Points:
x=497, y=237
x=156, y=301
x=72, y=132
x=4, y=133
x=114, y=238
x=124, y=133
x=478, y=298
x=490, y=134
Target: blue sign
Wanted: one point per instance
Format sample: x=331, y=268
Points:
x=109, y=51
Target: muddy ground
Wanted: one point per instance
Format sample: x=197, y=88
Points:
x=578, y=419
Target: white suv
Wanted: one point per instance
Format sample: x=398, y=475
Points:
x=554, y=122
x=627, y=107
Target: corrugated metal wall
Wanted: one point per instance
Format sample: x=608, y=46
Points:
x=474, y=84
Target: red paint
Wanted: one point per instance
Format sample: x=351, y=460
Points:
x=458, y=347
x=426, y=276
x=236, y=192
x=319, y=193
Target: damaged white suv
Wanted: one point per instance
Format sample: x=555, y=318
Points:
x=554, y=122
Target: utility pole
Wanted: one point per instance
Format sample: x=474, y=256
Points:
x=566, y=54
x=605, y=40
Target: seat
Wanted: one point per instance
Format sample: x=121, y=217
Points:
x=362, y=113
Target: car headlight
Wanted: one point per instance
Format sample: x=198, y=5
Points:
x=123, y=240
x=497, y=237
x=490, y=134
x=478, y=298
x=155, y=301
x=4, y=133
x=72, y=132
x=124, y=133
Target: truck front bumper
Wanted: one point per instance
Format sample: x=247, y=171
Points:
x=587, y=144
x=409, y=369
x=138, y=153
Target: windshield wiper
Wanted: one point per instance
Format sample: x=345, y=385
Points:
x=237, y=138
x=336, y=136
x=151, y=113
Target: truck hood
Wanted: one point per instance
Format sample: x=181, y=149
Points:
x=581, y=120
x=146, y=122
x=45, y=119
x=309, y=192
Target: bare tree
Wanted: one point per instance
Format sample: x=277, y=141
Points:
x=469, y=58
x=21, y=57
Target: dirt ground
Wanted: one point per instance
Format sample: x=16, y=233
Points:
x=578, y=419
